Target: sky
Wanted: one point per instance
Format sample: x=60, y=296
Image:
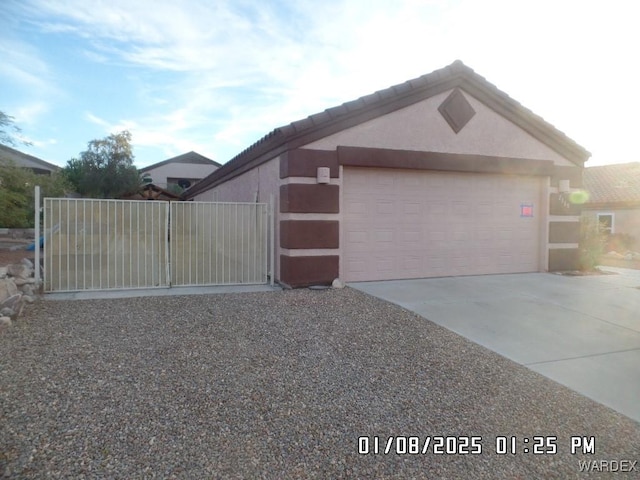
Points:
x=214, y=76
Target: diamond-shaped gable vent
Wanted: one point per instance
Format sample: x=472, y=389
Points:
x=456, y=110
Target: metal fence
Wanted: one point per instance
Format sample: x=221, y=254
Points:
x=218, y=243
x=125, y=244
x=104, y=244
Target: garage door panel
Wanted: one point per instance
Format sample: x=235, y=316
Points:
x=411, y=224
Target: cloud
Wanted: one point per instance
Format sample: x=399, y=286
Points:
x=232, y=70
x=22, y=65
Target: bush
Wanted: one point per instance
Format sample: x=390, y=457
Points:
x=592, y=243
x=17, y=193
x=621, y=243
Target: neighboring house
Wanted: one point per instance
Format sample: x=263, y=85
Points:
x=150, y=191
x=27, y=161
x=614, y=197
x=184, y=170
x=442, y=175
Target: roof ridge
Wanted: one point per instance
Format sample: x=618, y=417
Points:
x=392, y=98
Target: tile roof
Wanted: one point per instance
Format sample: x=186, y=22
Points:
x=613, y=184
x=383, y=102
x=25, y=160
x=189, y=157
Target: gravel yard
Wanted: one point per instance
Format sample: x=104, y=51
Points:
x=274, y=385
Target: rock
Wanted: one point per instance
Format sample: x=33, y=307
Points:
x=19, y=270
x=3, y=272
x=337, y=283
x=14, y=302
x=8, y=288
x=28, y=298
x=8, y=312
x=27, y=263
x=628, y=256
x=24, y=281
x=5, y=323
x=28, y=289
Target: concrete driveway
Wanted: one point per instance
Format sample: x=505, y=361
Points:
x=583, y=332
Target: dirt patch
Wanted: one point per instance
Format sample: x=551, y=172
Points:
x=607, y=261
x=7, y=256
x=579, y=273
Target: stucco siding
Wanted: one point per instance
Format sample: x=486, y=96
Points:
x=624, y=220
x=422, y=127
x=179, y=170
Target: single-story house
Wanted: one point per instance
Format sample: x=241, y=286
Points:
x=184, y=170
x=614, y=198
x=27, y=161
x=442, y=175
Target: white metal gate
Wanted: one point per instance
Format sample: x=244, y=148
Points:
x=218, y=243
x=125, y=244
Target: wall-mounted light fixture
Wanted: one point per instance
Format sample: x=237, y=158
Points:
x=324, y=175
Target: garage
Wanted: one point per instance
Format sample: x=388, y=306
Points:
x=414, y=224
x=442, y=175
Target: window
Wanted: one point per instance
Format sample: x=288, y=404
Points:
x=605, y=222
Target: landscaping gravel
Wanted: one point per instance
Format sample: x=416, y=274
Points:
x=276, y=385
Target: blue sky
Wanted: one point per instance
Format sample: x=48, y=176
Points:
x=214, y=76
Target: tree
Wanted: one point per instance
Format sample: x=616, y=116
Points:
x=17, y=193
x=8, y=131
x=105, y=169
x=17, y=184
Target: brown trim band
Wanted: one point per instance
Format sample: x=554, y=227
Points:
x=611, y=205
x=564, y=259
x=564, y=232
x=309, y=198
x=305, y=271
x=305, y=162
x=451, y=162
x=309, y=234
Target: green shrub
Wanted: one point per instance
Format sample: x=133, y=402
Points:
x=621, y=243
x=592, y=242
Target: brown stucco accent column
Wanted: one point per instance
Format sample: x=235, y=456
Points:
x=309, y=228
x=305, y=271
x=305, y=198
x=564, y=228
x=309, y=234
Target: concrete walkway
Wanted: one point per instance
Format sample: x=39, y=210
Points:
x=583, y=332
x=160, y=292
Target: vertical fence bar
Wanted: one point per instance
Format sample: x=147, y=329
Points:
x=84, y=245
x=166, y=243
x=45, y=270
x=211, y=240
x=271, y=220
x=36, y=240
x=75, y=243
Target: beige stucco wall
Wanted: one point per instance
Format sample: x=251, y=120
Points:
x=421, y=127
x=254, y=185
x=624, y=220
x=179, y=170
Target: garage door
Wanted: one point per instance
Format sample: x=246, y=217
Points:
x=414, y=224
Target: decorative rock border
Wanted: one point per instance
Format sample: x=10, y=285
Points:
x=17, y=288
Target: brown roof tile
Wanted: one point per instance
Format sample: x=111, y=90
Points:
x=383, y=102
x=613, y=184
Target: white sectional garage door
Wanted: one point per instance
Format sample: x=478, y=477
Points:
x=413, y=224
